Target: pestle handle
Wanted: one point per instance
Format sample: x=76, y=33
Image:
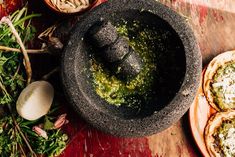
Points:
x=103, y=34
x=130, y=67
x=115, y=50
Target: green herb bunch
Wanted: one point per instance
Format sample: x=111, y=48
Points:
x=55, y=142
x=12, y=78
x=17, y=137
x=12, y=144
x=10, y=141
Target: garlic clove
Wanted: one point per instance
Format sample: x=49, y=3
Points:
x=35, y=100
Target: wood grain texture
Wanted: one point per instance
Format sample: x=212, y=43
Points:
x=213, y=22
x=171, y=142
x=213, y=26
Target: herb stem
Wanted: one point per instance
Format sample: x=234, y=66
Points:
x=26, y=57
x=23, y=136
x=48, y=75
x=19, y=22
x=22, y=150
x=3, y=88
x=19, y=144
x=48, y=32
x=26, y=18
x=30, y=51
x=20, y=132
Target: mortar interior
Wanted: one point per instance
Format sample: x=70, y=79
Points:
x=170, y=63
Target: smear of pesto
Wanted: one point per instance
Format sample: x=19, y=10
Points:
x=132, y=92
x=225, y=137
x=223, y=86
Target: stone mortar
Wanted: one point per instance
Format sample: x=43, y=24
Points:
x=77, y=78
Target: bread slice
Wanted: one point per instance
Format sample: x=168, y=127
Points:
x=218, y=62
x=212, y=125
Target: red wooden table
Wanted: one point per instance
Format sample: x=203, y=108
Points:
x=213, y=22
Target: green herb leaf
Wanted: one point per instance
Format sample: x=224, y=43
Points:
x=48, y=125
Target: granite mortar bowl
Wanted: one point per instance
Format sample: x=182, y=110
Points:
x=172, y=95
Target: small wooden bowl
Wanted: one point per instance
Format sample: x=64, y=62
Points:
x=52, y=7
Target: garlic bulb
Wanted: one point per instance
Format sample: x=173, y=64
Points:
x=35, y=100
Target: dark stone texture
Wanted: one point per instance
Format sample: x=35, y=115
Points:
x=130, y=67
x=116, y=51
x=77, y=78
x=102, y=34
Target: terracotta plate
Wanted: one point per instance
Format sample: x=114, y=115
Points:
x=199, y=113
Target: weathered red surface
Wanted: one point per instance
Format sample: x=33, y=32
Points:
x=9, y=6
x=90, y=142
x=86, y=141
x=213, y=23
x=213, y=26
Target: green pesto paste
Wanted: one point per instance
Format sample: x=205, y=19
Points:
x=225, y=138
x=132, y=92
x=223, y=87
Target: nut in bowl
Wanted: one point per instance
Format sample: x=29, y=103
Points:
x=70, y=6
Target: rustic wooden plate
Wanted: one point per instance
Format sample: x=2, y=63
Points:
x=199, y=113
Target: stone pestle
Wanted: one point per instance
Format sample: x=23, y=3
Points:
x=115, y=51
